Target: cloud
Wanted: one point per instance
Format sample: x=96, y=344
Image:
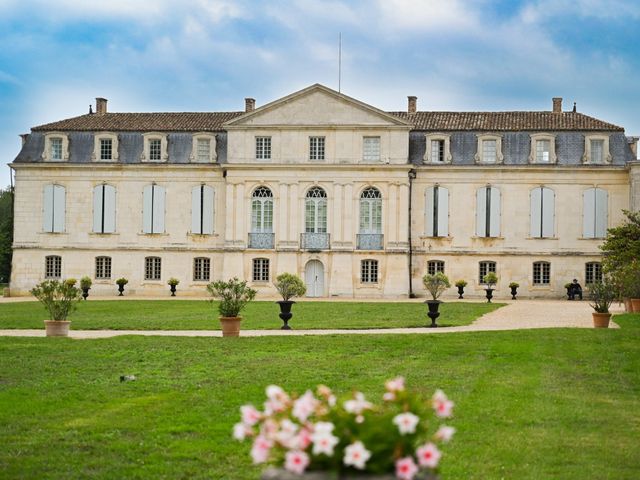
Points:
x=540, y=10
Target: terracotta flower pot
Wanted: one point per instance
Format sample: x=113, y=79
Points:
x=57, y=328
x=635, y=305
x=601, y=320
x=230, y=326
x=627, y=305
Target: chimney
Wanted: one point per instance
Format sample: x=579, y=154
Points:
x=101, y=105
x=249, y=104
x=557, y=104
x=633, y=145
x=413, y=104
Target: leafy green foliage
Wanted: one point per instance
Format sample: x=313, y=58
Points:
x=622, y=244
x=173, y=281
x=490, y=279
x=461, y=283
x=436, y=284
x=58, y=298
x=289, y=286
x=514, y=285
x=121, y=281
x=85, y=282
x=601, y=295
x=6, y=234
x=233, y=294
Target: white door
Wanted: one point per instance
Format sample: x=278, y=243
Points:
x=314, y=278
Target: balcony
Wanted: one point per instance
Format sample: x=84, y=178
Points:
x=369, y=241
x=314, y=241
x=262, y=241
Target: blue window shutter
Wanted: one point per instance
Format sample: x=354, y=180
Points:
x=495, y=213
x=536, y=212
x=428, y=212
x=588, y=213
x=548, y=212
x=601, y=213
x=147, y=207
x=158, y=209
x=109, y=209
x=207, y=210
x=47, y=209
x=481, y=212
x=443, y=212
x=59, y=198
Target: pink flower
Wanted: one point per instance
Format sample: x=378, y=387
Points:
x=442, y=405
x=406, y=468
x=286, y=436
x=428, y=455
x=274, y=392
x=296, y=462
x=250, y=416
x=357, y=405
x=240, y=431
x=395, y=385
x=324, y=442
x=304, y=406
x=260, y=449
x=356, y=455
x=406, y=422
x=445, y=433
x=389, y=397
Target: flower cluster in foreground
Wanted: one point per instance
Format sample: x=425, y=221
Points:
x=315, y=431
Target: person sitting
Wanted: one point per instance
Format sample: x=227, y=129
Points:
x=575, y=290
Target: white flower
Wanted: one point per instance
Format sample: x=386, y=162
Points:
x=304, y=406
x=286, y=435
x=260, y=449
x=324, y=442
x=428, y=455
x=389, y=397
x=442, y=405
x=296, y=462
x=240, y=431
x=445, y=433
x=323, y=427
x=357, y=405
x=274, y=392
x=356, y=455
x=406, y=468
x=406, y=422
x=250, y=416
x=395, y=385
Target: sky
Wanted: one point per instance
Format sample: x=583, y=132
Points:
x=56, y=56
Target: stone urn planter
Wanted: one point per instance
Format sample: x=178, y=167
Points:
x=601, y=320
x=230, y=326
x=433, y=313
x=285, y=313
x=121, y=282
x=460, y=292
x=85, y=293
x=57, y=328
x=514, y=290
x=488, y=294
x=173, y=283
x=289, y=286
x=281, y=474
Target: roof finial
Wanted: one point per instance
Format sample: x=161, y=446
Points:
x=574, y=107
x=90, y=109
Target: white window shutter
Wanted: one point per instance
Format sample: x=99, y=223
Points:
x=536, y=212
x=481, y=212
x=548, y=212
x=207, y=210
x=588, y=213
x=47, y=209
x=443, y=212
x=59, y=195
x=109, y=209
x=195, y=210
x=428, y=212
x=158, y=209
x=147, y=208
x=97, y=209
x=495, y=213
x=601, y=213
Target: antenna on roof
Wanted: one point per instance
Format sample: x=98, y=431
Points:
x=339, y=61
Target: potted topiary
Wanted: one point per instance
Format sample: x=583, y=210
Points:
x=601, y=295
x=59, y=298
x=436, y=285
x=461, y=284
x=514, y=289
x=121, y=282
x=234, y=296
x=85, y=286
x=289, y=286
x=173, y=282
x=490, y=279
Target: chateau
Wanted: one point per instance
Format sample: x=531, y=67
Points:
x=357, y=201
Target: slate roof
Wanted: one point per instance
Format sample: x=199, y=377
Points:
x=427, y=121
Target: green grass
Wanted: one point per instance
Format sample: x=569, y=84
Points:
x=557, y=403
x=201, y=315
x=2, y=287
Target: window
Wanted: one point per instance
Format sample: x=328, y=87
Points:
x=54, y=209
x=436, y=219
x=201, y=269
x=489, y=149
x=596, y=149
x=203, y=149
x=542, y=212
x=315, y=211
x=369, y=271
x=53, y=267
x=105, y=149
x=437, y=148
x=592, y=273
x=262, y=211
x=202, y=208
x=488, y=212
x=104, y=209
x=152, y=268
x=543, y=148
x=435, y=266
x=595, y=213
x=260, y=269
x=153, y=209
x=263, y=148
x=155, y=147
x=316, y=148
x=371, y=211
x=371, y=149
x=541, y=273
x=103, y=268
x=56, y=147
x=485, y=267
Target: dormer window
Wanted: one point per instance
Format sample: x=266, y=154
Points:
x=596, y=150
x=203, y=149
x=543, y=148
x=438, y=149
x=105, y=147
x=489, y=149
x=155, y=147
x=56, y=147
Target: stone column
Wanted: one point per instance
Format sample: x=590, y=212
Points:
x=403, y=214
x=283, y=210
x=391, y=215
x=335, y=211
x=230, y=212
x=349, y=228
x=240, y=215
x=634, y=186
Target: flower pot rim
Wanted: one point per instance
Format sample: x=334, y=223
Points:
x=433, y=301
x=221, y=317
x=285, y=301
x=58, y=321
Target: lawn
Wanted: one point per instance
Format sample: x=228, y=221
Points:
x=201, y=315
x=530, y=404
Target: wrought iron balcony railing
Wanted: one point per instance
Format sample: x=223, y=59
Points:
x=264, y=241
x=369, y=241
x=314, y=241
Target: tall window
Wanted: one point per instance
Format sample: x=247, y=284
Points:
x=543, y=151
x=106, y=149
x=260, y=269
x=371, y=211
x=316, y=148
x=202, y=208
x=597, y=151
x=437, y=150
x=369, y=271
x=541, y=273
x=104, y=209
x=592, y=273
x=103, y=268
x=542, y=212
x=203, y=149
x=484, y=268
x=155, y=149
x=263, y=148
x=201, y=269
x=262, y=211
x=489, y=151
x=53, y=208
x=152, y=268
x=371, y=149
x=488, y=212
x=53, y=267
x=55, y=145
x=315, y=211
x=595, y=213
x=153, y=209
x=436, y=219
x=435, y=266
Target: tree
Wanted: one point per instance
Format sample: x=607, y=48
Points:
x=6, y=233
x=622, y=245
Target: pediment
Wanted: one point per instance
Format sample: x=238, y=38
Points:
x=316, y=106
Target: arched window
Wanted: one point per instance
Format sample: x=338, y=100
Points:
x=262, y=211
x=315, y=211
x=370, y=211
